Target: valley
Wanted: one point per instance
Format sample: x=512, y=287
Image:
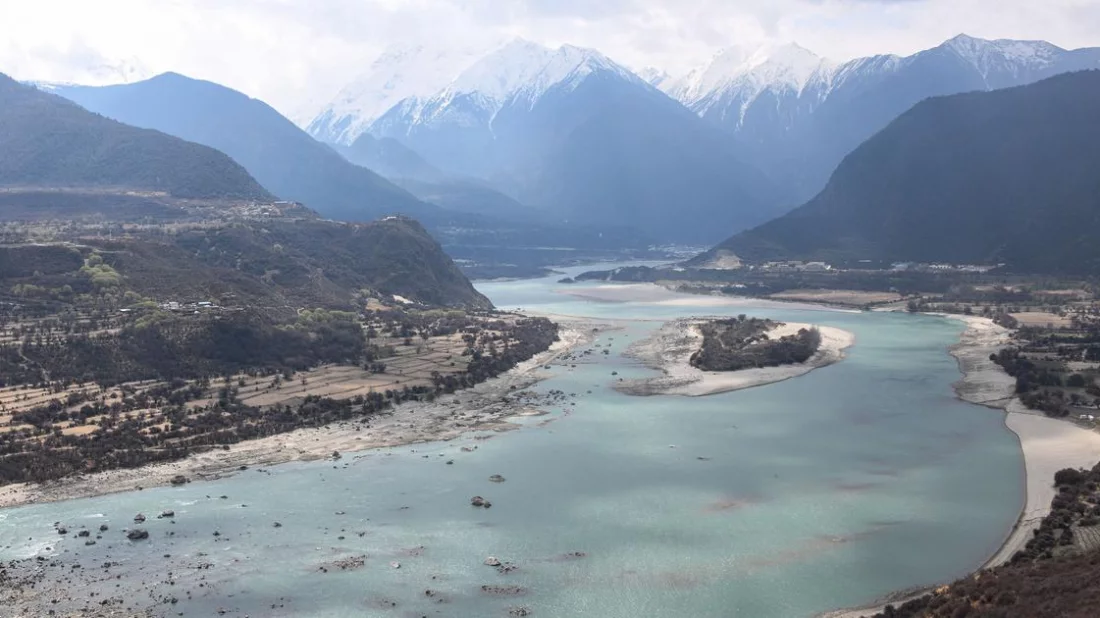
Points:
x=549, y=311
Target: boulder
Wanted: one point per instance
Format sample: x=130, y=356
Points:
x=492, y=561
x=166, y=514
x=137, y=534
x=179, y=479
x=496, y=478
x=139, y=518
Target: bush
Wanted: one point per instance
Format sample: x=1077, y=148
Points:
x=1068, y=476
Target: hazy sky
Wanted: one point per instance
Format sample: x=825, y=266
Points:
x=293, y=53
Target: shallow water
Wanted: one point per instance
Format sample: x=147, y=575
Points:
x=826, y=491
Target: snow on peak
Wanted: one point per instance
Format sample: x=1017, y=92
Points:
x=400, y=72
x=654, y=77
x=103, y=73
x=420, y=80
x=521, y=69
x=785, y=66
x=985, y=55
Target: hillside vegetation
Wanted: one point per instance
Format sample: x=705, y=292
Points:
x=1006, y=176
x=274, y=266
x=48, y=141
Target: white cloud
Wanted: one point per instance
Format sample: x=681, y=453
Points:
x=294, y=52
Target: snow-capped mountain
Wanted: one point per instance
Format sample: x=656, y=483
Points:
x=476, y=124
x=798, y=115
x=102, y=73
x=655, y=77
x=518, y=73
x=787, y=67
x=571, y=131
x=400, y=73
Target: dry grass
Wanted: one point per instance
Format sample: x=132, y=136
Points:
x=1042, y=319
x=839, y=297
x=410, y=366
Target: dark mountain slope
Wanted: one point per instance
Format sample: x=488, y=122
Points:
x=273, y=149
x=50, y=142
x=1004, y=176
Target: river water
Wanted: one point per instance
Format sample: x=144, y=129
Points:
x=825, y=491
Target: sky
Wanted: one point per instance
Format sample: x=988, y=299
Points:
x=296, y=54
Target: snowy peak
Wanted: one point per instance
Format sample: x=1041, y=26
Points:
x=786, y=66
x=987, y=56
x=400, y=72
x=422, y=83
x=654, y=77
x=126, y=71
x=523, y=68
x=519, y=71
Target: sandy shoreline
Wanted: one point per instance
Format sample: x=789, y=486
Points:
x=670, y=347
x=1048, y=444
x=486, y=407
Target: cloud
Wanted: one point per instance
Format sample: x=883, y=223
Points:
x=294, y=53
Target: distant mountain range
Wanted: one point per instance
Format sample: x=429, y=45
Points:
x=797, y=115
x=279, y=154
x=1007, y=176
x=576, y=136
x=569, y=137
x=513, y=116
x=48, y=141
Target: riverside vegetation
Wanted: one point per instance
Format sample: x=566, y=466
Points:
x=742, y=343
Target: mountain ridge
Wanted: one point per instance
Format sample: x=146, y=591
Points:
x=800, y=134
x=1004, y=176
x=51, y=142
x=271, y=147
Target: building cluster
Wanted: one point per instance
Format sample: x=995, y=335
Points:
x=795, y=267
x=940, y=267
x=196, y=306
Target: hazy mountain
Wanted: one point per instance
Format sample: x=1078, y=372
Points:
x=1007, y=176
x=279, y=154
x=469, y=196
x=50, y=142
x=571, y=132
x=401, y=72
x=798, y=114
x=389, y=157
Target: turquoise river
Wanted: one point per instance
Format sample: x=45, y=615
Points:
x=788, y=500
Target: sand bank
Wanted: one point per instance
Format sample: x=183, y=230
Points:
x=1048, y=444
x=669, y=350
x=486, y=407
x=659, y=295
